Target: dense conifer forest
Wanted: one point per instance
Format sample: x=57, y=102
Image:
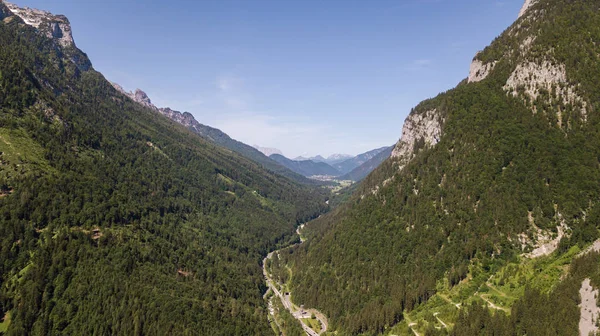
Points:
x=115, y=220
x=502, y=163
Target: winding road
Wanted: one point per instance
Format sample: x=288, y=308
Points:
x=298, y=313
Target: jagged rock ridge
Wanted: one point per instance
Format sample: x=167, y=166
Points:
x=212, y=134
x=56, y=27
x=184, y=118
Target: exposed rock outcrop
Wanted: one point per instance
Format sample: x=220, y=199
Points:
x=184, y=118
x=530, y=79
x=420, y=129
x=4, y=11
x=588, y=308
x=479, y=70
x=56, y=27
x=138, y=96
x=142, y=98
x=545, y=244
x=526, y=6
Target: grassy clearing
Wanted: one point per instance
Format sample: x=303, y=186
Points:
x=5, y=323
x=340, y=184
x=313, y=323
x=19, y=149
x=501, y=286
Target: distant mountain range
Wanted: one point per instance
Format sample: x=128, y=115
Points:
x=342, y=166
x=306, y=167
x=361, y=171
x=348, y=164
x=336, y=165
x=330, y=160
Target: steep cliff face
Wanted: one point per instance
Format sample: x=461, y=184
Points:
x=56, y=27
x=479, y=70
x=421, y=129
x=546, y=82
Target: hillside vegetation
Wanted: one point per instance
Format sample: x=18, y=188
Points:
x=115, y=220
x=512, y=162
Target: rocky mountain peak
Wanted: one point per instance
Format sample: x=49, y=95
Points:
x=479, y=70
x=4, y=11
x=185, y=118
x=138, y=96
x=56, y=27
x=142, y=98
x=424, y=128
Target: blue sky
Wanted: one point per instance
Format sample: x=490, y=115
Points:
x=308, y=77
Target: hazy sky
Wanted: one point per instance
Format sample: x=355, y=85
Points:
x=308, y=76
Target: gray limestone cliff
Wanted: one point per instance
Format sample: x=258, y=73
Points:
x=56, y=27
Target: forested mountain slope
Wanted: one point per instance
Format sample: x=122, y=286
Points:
x=483, y=173
x=215, y=135
x=360, y=172
x=116, y=220
x=348, y=165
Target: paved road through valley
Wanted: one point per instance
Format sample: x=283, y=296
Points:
x=289, y=305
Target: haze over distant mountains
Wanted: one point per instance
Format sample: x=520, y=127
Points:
x=330, y=160
x=365, y=163
x=336, y=165
x=271, y=158
x=268, y=151
x=307, y=168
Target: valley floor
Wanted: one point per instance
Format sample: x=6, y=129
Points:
x=313, y=322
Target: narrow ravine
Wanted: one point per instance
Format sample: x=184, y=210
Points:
x=285, y=298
